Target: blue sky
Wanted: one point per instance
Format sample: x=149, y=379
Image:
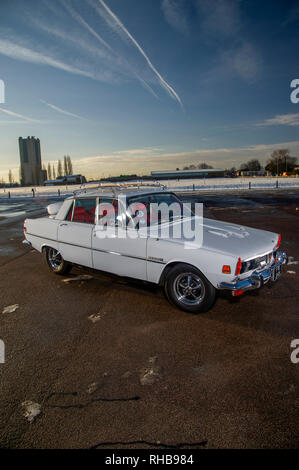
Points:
x=130, y=86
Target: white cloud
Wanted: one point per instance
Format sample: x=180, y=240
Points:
x=25, y=54
x=143, y=161
x=219, y=17
x=281, y=120
x=242, y=61
x=175, y=15
x=246, y=62
x=221, y=23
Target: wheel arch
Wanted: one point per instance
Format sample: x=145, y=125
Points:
x=170, y=266
x=45, y=246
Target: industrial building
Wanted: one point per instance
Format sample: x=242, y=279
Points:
x=67, y=179
x=187, y=174
x=30, y=160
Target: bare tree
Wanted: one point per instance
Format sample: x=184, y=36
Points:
x=10, y=177
x=22, y=176
x=204, y=166
x=49, y=172
x=54, y=173
x=59, y=168
x=65, y=168
x=69, y=165
x=281, y=161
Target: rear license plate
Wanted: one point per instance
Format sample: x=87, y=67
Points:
x=276, y=273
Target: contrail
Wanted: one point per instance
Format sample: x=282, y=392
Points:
x=15, y=51
x=81, y=20
x=60, y=110
x=117, y=57
x=20, y=116
x=117, y=21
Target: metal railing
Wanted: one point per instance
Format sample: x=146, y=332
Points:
x=116, y=187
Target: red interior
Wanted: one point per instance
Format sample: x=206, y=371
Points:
x=82, y=215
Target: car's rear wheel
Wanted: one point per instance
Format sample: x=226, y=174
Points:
x=56, y=262
x=188, y=289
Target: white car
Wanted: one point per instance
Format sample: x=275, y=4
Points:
x=108, y=230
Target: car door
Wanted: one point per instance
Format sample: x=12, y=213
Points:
x=74, y=233
x=116, y=248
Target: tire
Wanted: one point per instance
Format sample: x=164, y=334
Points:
x=188, y=289
x=55, y=261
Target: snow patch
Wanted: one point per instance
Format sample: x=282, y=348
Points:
x=83, y=277
x=96, y=316
x=31, y=410
x=10, y=308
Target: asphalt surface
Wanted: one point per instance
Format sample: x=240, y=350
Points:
x=112, y=365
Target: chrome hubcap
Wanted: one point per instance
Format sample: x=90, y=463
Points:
x=189, y=289
x=54, y=258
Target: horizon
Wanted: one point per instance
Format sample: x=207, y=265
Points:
x=145, y=86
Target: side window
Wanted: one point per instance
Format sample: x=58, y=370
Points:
x=108, y=212
x=84, y=210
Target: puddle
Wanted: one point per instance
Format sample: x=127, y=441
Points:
x=6, y=250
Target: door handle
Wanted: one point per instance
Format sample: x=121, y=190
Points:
x=61, y=225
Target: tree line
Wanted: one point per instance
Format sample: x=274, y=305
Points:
x=280, y=162
x=53, y=171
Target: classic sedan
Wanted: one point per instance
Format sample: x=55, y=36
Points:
x=123, y=232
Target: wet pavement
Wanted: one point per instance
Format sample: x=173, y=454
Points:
x=103, y=362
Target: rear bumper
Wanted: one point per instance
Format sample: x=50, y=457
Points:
x=26, y=242
x=258, y=278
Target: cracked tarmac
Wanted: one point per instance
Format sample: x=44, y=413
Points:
x=220, y=379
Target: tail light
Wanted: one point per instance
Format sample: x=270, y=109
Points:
x=238, y=267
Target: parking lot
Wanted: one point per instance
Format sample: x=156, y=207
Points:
x=107, y=362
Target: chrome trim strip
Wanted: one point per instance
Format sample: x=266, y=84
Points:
x=96, y=249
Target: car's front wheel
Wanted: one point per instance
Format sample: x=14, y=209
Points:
x=188, y=289
x=56, y=262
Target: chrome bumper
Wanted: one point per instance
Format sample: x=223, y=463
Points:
x=26, y=242
x=258, y=278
